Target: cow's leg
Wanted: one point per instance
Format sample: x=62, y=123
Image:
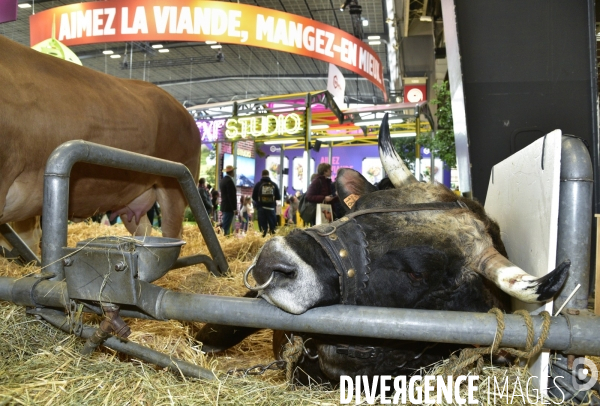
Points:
x=172, y=206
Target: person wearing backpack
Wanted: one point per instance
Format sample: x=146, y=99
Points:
x=265, y=195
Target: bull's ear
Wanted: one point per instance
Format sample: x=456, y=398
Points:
x=350, y=186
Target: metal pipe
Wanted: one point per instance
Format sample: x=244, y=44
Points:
x=569, y=334
x=190, y=260
x=575, y=221
x=56, y=195
x=280, y=175
x=127, y=347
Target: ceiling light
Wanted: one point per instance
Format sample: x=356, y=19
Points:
x=210, y=42
x=107, y=52
x=333, y=139
x=163, y=50
x=157, y=46
x=115, y=56
x=365, y=23
x=319, y=127
x=401, y=135
x=24, y=5
x=373, y=37
x=218, y=46
x=276, y=142
x=374, y=42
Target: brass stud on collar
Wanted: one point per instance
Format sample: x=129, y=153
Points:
x=343, y=253
x=350, y=273
x=333, y=237
x=344, y=218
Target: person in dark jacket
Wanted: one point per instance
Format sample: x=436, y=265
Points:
x=228, y=199
x=265, y=195
x=319, y=190
x=205, y=196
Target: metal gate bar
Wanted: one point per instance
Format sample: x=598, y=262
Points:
x=569, y=334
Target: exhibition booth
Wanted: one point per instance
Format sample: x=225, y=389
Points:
x=291, y=134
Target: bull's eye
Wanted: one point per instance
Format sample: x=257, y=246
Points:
x=416, y=277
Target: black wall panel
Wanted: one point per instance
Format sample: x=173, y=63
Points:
x=529, y=67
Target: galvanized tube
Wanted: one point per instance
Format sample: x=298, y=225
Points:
x=575, y=221
x=579, y=336
x=130, y=348
x=190, y=260
x=56, y=195
x=570, y=334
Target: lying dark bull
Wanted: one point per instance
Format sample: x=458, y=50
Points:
x=414, y=246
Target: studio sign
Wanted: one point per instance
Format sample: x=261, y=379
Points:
x=263, y=126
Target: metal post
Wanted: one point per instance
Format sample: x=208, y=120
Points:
x=308, y=118
x=459, y=117
x=280, y=177
x=575, y=221
x=234, y=146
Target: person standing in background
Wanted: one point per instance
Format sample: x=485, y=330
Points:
x=265, y=195
x=320, y=190
x=292, y=210
x=246, y=211
x=204, y=196
x=228, y=199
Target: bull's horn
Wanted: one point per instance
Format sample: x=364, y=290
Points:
x=518, y=283
x=399, y=174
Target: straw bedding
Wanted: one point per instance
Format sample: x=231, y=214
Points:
x=40, y=365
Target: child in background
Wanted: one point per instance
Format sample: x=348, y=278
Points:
x=247, y=211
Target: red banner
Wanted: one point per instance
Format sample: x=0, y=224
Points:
x=190, y=20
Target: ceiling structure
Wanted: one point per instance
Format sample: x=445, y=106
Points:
x=195, y=73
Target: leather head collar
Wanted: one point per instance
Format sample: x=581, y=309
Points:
x=346, y=246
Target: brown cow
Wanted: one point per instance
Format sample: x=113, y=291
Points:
x=47, y=101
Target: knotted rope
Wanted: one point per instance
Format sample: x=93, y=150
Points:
x=292, y=351
x=469, y=356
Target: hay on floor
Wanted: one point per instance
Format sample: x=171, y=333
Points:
x=40, y=365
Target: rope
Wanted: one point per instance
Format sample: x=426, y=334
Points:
x=291, y=354
x=469, y=356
